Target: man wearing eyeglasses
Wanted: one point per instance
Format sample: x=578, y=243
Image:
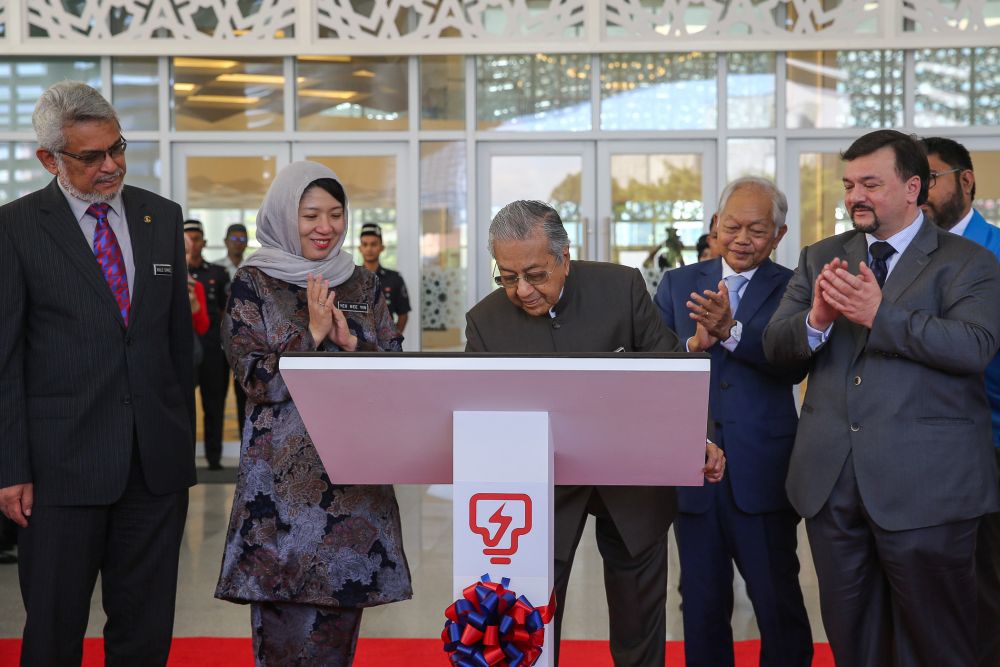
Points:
x=551, y=304
x=96, y=391
x=949, y=206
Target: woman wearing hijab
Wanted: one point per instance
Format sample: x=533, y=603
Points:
x=308, y=555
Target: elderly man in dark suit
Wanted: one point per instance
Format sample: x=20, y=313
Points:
x=722, y=306
x=96, y=390
x=892, y=466
x=550, y=304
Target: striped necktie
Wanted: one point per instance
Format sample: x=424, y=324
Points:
x=109, y=256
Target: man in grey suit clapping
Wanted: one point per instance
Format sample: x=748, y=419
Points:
x=892, y=465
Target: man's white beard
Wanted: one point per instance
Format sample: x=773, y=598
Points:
x=92, y=197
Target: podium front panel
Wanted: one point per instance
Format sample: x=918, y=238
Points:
x=616, y=420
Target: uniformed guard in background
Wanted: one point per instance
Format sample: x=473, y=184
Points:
x=393, y=286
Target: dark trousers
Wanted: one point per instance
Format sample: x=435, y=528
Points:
x=897, y=598
x=213, y=381
x=134, y=544
x=988, y=575
x=636, y=588
x=763, y=548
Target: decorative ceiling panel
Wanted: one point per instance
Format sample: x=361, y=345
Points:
x=417, y=20
x=160, y=19
x=714, y=19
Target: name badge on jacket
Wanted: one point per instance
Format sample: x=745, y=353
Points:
x=352, y=307
x=163, y=270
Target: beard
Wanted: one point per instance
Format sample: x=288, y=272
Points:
x=949, y=213
x=90, y=197
x=871, y=227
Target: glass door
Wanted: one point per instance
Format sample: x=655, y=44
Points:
x=654, y=201
x=374, y=180
x=221, y=184
x=559, y=173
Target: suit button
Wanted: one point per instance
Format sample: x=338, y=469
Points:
x=556, y=325
x=855, y=427
x=127, y=400
x=128, y=341
x=724, y=384
x=857, y=380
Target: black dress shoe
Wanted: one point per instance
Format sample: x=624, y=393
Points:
x=215, y=466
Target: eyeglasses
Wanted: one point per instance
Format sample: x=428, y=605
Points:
x=530, y=277
x=93, y=158
x=934, y=176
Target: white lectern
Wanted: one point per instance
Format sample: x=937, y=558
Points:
x=503, y=429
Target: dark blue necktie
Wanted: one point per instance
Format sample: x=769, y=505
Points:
x=880, y=252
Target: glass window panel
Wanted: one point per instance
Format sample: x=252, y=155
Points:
x=20, y=171
x=751, y=157
x=135, y=92
x=23, y=80
x=142, y=160
x=987, y=163
x=661, y=91
x=370, y=184
x=442, y=92
x=344, y=93
x=822, y=212
x=750, y=90
x=845, y=89
x=222, y=190
x=444, y=250
x=657, y=211
x=533, y=93
x=218, y=94
x=957, y=87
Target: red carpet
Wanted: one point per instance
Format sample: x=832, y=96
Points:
x=228, y=652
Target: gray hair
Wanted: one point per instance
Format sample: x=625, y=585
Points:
x=520, y=219
x=779, y=203
x=63, y=104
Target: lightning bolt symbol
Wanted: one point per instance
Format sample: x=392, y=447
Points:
x=502, y=521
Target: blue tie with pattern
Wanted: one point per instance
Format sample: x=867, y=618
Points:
x=734, y=284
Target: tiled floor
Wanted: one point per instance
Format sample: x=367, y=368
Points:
x=427, y=529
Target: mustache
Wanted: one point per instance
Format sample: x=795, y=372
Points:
x=111, y=177
x=861, y=207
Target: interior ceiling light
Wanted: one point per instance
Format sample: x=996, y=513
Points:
x=364, y=73
x=204, y=63
x=183, y=87
x=223, y=99
x=325, y=59
x=239, y=77
x=329, y=94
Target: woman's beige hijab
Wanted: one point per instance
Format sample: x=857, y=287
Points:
x=280, y=255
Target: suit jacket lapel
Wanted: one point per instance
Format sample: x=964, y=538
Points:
x=58, y=222
x=757, y=290
x=141, y=234
x=709, y=277
x=911, y=262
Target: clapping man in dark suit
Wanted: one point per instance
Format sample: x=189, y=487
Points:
x=721, y=306
x=551, y=304
x=893, y=466
x=96, y=391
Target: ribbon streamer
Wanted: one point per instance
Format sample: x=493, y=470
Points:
x=492, y=626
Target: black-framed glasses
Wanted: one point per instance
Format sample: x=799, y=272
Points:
x=932, y=181
x=93, y=158
x=530, y=277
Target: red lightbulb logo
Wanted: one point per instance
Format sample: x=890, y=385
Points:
x=500, y=519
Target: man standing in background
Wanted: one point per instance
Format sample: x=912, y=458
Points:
x=213, y=373
x=392, y=283
x=96, y=391
x=236, y=246
x=949, y=206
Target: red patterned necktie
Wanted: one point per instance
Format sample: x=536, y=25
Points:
x=109, y=256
